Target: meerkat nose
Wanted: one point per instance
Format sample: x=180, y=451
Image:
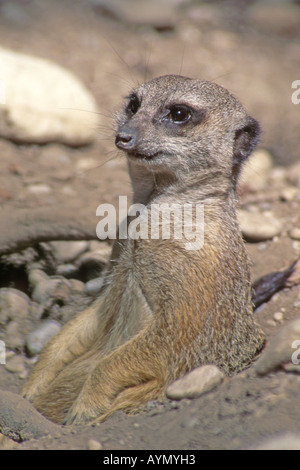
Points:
x=125, y=140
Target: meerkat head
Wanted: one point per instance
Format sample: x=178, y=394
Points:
x=178, y=124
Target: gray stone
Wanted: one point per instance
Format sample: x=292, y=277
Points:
x=281, y=350
x=258, y=227
x=294, y=233
x=66, y=252
x=16, y=365
x=255, y=172
x=14, y=304
x=195, y=383
x=37, y=339
x=14, y=338
x=50, y=288
x=287, y=441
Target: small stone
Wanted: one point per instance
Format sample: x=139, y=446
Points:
x=77, y=285
x=67, y=270
x=84, y=164
x=35, y=276
x=278, y=316
x=37, y=339
x=280, y=349
x=293, y=368
x=51, y=288
x=195, y=383
x=39, y=189
x=289, y=194
x=294, y=233
x=94, y=285
x=256, y=171
x=293, y=174
x=14, y=305
x=66, y=252
x=15, y=365
x=287, y=441
x=94, y=445
x=258, y=227
x=296, y=245
x=13, y=337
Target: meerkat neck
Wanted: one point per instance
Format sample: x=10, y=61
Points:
x=148, y=184
x=208, y=186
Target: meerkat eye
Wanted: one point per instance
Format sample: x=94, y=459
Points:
x=179, y=114
x=133, y=105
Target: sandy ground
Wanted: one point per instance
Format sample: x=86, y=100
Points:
x=257, y=60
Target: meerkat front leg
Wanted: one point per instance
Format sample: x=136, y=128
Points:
x=127, y=378
x=74, y=339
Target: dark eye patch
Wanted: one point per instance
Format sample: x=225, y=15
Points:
x=133, y=104
x=181, y=114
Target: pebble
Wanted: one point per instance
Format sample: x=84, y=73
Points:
x=195, y=383
x=256, y=171
x=293, y=174
x=289, y=194
x=94, y=285
x=258, y=227
x=14, y=339
x=294, y=233
x=14, y=305
x=39, y=337
x=49, y=109
x=94, y=445
x=53, y=287
x=35, y=276
x=39, y=188
x=67, y=270
x=16, y=365
x=279, y=351
x=286, y=441
x=67, y=252
x=278, y=316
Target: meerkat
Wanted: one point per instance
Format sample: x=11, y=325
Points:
x=164, y=309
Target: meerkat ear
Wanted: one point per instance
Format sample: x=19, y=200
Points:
x=245, y=140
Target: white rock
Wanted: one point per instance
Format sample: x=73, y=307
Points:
x=295, y=233
x=16, y=365
x=42, y=102
x=94, y=445
x=287, y=441
x=195, y=383
x=66, y=252
x=14, y=305
x=280, y=350
x=289, y=194
x=38, y=338
x=256, y=170
x=258, y=227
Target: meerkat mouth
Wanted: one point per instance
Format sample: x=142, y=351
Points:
x=143, y=156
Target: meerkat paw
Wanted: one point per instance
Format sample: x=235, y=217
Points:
x=86, y=409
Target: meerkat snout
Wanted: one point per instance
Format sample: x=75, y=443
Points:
x=125, y=139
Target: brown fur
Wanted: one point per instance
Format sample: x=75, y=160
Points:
x=164, y=310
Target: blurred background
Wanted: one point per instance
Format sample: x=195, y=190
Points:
x=251, y=47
